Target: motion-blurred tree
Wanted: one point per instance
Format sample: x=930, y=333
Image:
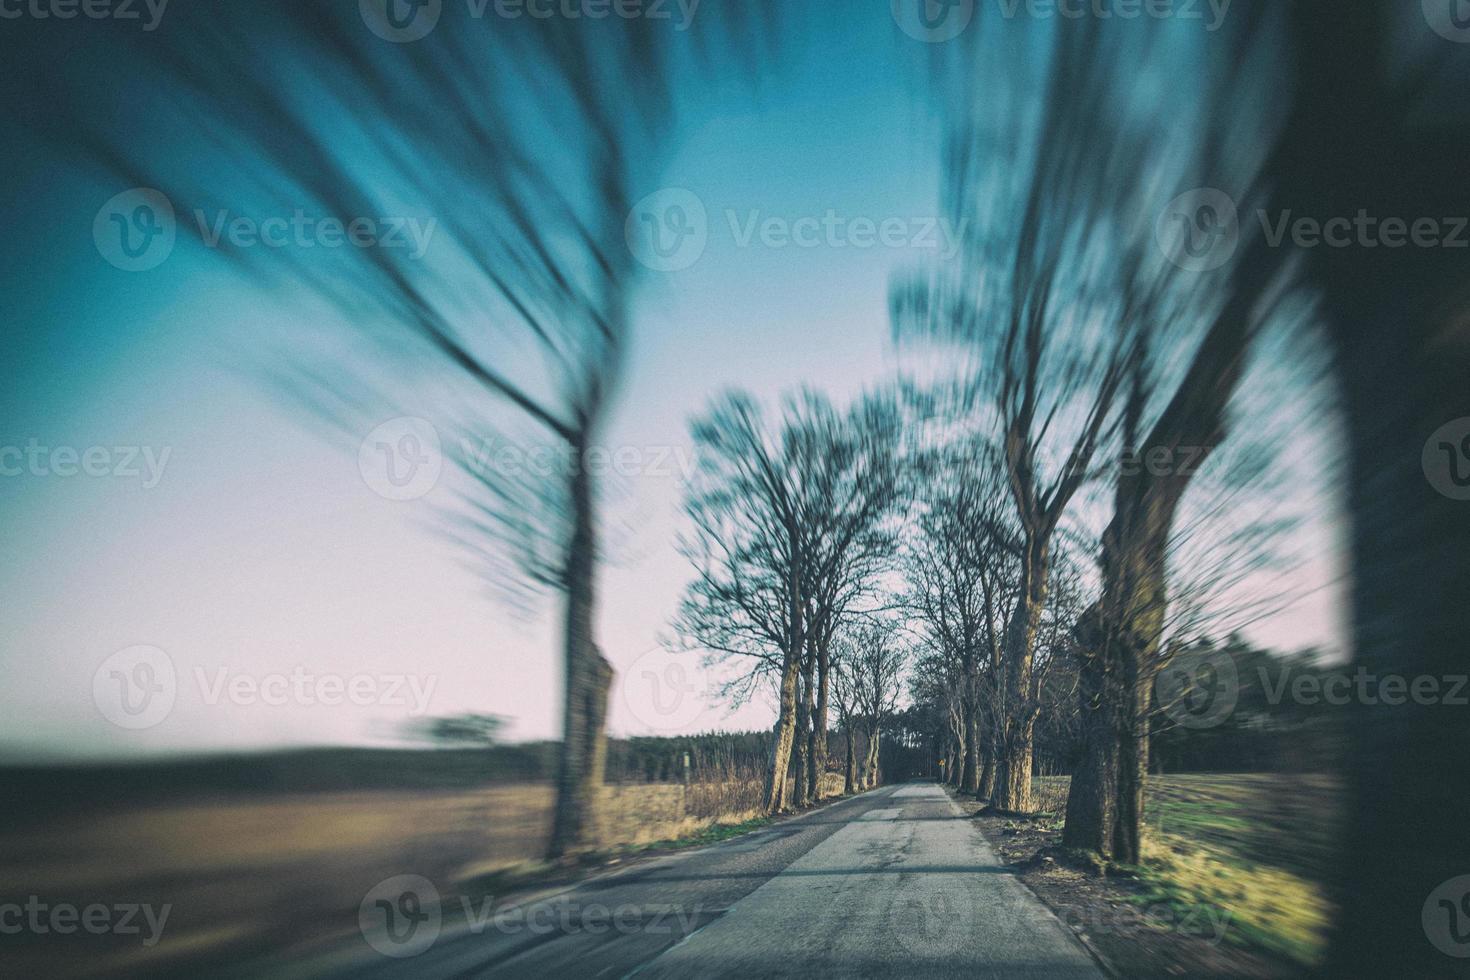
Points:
x=527, y=143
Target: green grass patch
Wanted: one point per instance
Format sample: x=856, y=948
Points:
x=710, y=835
x=1270, y=908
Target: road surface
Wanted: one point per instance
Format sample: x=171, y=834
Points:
x=892, y=883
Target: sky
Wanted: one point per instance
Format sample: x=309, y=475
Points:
x=244, y=566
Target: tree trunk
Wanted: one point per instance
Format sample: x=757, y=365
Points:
x=870, y=764
x=1400, y=325
x=987, y=777
x=1092, y=795
x=782, y=737
x=820, y=719
x=970, y=782
x=1125, y=627
x=849, y=772
x=1013, y=778
x=1133, y=748
x=802, y=744
x=785, y=730
x=1013, y=775
x=576, y=817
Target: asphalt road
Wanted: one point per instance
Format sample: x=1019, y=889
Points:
x=893, y=883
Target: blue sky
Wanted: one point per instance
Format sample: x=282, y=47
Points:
x=262, y=552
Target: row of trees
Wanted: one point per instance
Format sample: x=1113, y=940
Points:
x=1089, y=348
x=792, y=526
x=1093, y=350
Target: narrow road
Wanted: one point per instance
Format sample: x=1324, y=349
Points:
x=893, y=883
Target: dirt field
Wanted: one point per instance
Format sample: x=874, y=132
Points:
x=250, y=872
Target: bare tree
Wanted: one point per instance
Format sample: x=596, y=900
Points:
x=960, y=567
x=1032, y=300
x=873, y=664
x=789, y=527
x=1120, y=640
x=521, y=308
x=844, y=696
